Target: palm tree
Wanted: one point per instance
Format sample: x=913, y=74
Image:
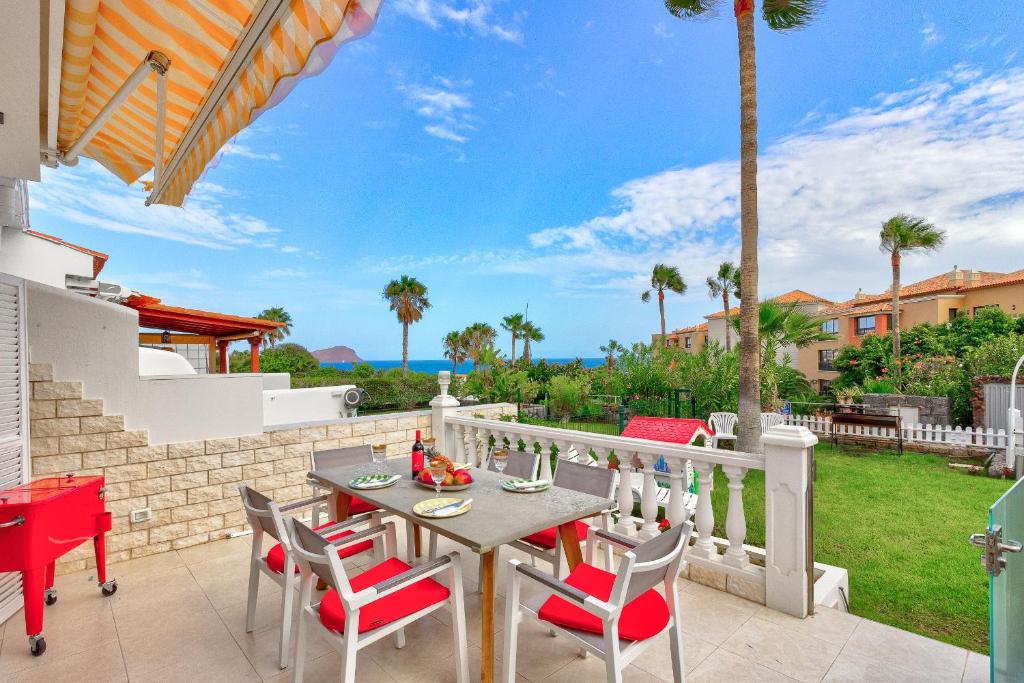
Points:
x=664, y=278
x=514, y=324
x=903, y=233
x=530, y=333
x=781, y=15
x=610, y=350
x=277, y=315
x=724, y=283
x=455, y=349
x=407, y=297
x=477, y=337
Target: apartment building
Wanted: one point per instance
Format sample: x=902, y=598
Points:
x=933, y=300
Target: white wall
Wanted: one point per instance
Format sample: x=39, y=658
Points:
x=40, y=260
x=19, y=99
x=96, y=342
x=288, y=406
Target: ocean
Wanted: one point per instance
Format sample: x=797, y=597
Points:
x=433, y=366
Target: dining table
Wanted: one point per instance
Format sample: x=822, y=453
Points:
x=496, y=517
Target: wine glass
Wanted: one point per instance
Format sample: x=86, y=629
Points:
x=380, y=454
x=438, y=471
x=499, y=456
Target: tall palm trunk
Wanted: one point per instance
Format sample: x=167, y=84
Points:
x=405, y=349
x=728, y=323
x=661, y=310
x=513, y=349
x=749, y=428
x=455, y=366
x=896, y=318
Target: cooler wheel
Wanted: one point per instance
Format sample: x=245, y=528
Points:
x=51, y=596
x=37, y=644
x=109, y=588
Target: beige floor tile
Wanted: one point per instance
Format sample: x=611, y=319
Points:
x=327, y=667
x=798, y=656
x=710, y=618
x=69, y=627
x=887, y=645
x=473, y=618
x=161, y=647
x=831, y=625
x=268, y=613
x=592, y=669
x=540, y=654
x=151, y=594
x=261, y=648
x=657, y=658
x=220, y=663
x=96, y=665
x=721, y=666
x=197, y=554
x=152, y=565
x=849, y=668
x=977, y=670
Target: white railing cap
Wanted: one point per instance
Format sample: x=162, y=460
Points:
x=789, y=436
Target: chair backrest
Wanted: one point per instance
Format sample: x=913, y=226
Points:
x=315, y=551
x=259, y=512
x=654, y=562
x=342, y=457
x=520, y=464
x=724, y=424
x=597, y=481
x=769, y=420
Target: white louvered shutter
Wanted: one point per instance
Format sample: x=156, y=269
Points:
x=14, y=463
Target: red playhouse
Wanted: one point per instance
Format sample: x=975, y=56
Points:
x=39, y=522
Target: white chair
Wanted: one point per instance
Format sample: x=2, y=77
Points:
x=615, y=616
x=339, y=457
x=378, y=602
x=769, y=420
x=724, y=427
x=266, y=517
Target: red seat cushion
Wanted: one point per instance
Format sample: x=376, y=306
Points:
x=275, y=558
x=641, y=619
x=402, y=603
x=546, y=538
x=358, y=506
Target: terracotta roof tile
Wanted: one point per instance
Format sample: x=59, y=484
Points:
x=703, y=327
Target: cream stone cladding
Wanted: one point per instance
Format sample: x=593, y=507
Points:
x=191, y=487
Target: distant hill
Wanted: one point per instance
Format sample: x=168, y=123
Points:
x=337, y=354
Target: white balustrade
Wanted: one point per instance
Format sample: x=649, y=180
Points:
x=735, y=520
x=649, y=499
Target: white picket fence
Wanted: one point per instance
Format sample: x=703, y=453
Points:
x=946, y=434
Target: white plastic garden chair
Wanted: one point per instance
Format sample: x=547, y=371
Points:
x=339, y=457
x=266, y=517
x=769, y=420
x=379, y=602
x=724, y=427
x=615, y=616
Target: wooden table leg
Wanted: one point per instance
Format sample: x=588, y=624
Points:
x=570, y=544
x=416, y=539
x=487, y=618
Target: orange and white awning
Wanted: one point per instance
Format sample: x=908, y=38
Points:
x=219, y=63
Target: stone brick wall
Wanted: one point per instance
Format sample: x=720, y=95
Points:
x=191, y=487
x=932, y=410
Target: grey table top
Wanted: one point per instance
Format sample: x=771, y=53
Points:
x=496, y=518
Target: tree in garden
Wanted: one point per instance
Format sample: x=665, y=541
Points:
x=531, y=333
x=454, y=345
x=725, y=283
x=664, y=279
x=900, y=234
x=610, y=351
x=781, y=15
x=514, y=325
x=277, y=315
x=407, y=297
x=781, y=325
x=478, y=336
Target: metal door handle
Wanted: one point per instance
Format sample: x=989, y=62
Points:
x=17, y=521
x=993, y=547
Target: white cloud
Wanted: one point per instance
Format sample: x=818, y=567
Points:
x=950, y=149
x=931, y=35
x=446, y=104
x=90, y=196
x=191, y=279
x=246, y=152
x=440, y=131
x=662, y=31
x=475, y=15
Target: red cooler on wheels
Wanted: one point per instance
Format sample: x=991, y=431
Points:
x=39, y=522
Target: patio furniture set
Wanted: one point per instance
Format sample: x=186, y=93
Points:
x=613, y=613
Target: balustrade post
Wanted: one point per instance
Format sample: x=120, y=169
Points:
x=627, y=523
x=735, y=520
x=649, y=500
x=442, y=406
x=675, y=512
x=545, y=459
x=704, y=518
x=788, y=453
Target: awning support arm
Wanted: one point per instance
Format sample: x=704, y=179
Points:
x=161, y=109
x=154, y=61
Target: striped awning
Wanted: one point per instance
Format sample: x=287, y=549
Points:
x=230, y=60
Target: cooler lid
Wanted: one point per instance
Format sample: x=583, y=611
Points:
x=42, y=490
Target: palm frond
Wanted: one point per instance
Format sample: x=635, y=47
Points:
x=645, y=296
x=786, y=15
x=691, y=9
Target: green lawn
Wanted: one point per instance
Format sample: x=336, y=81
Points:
x=899, y=525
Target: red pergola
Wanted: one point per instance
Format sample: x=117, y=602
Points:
x=215, y=330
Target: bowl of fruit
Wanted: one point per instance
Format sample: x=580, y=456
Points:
x=456, y=478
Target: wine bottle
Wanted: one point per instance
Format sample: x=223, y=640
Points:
x=417, y=456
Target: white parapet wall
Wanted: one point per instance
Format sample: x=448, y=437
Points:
x=288, y=406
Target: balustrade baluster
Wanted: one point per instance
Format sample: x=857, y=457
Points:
x=735, y=520
x=649, y=498
x=675, y=512
x=545, y=459
x=627, y=523
x=704, y=518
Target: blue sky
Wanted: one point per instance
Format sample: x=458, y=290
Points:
x=551, y=153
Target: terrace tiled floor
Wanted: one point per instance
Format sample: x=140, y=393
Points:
x=180, y=617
